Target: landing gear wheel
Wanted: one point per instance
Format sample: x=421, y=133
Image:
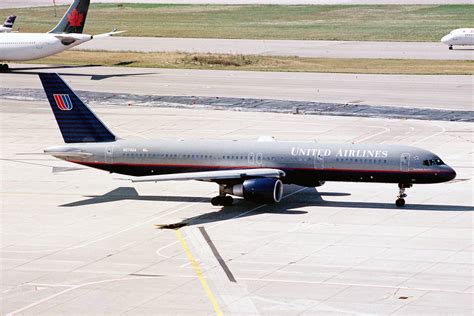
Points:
x=450, y=47
x=4, y=68
x=216, y=201
x=400, y=202
x=228, y=201
x=222, y=200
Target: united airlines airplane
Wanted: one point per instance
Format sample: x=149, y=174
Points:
x=67, y=34
x=254, y=170
x=8, y=24
x=459, y=37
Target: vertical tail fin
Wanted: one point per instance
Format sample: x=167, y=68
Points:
x=76, y=121
x=10, y=21
x=74, y=19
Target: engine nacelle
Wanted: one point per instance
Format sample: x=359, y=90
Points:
x=260, y=190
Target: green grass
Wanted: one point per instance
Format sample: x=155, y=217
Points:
x=320, y=22
x=262, y=63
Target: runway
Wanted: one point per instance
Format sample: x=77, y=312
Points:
x=320, y=49
x=86, y=242
x=30, y=3
x=434, y=92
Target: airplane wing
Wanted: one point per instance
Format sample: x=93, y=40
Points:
x=215, y=175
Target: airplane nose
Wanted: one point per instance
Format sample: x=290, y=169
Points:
x=451, y=174
x=446, y=39
x=447, y=174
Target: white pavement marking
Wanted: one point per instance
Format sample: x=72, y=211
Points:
x=355, y=284
x=69, y=290
x=443, y=130
x=133, y=226
x=384, y=130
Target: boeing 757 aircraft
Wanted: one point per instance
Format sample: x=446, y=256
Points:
x=8, y=24
x=459, y=37
x=254, y=170
x=67, y=34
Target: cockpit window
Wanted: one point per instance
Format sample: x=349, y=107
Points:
x=433, y=162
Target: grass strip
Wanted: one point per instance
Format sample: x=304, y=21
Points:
x=303, y=22
x=261, y=63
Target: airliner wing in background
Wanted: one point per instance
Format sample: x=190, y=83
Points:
x=215, y=175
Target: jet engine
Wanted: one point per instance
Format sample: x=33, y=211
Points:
x=259, y=190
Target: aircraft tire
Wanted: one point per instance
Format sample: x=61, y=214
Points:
x=4, y=68
x=227, y=201
x=216, y=201
x=400, y=202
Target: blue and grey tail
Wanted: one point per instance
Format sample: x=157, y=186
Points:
x=74, y=19
x=10, y=21
x=77, y=122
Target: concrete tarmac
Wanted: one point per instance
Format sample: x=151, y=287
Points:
x=320, y=49
x=82, y=241
x=435, y=92
x=31, y=3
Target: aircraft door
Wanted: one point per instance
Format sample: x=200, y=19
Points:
x=255, y=159
x=405, y=162
x=318, y=161
x=259, y=159
x=251, y=159
x=109, y=154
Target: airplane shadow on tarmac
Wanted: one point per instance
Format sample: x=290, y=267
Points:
x=30, y=71
x=299, y=197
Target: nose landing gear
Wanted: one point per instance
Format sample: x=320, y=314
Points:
x=400, y=202
x=450, y=47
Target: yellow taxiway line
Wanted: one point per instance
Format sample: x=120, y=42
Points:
x=198, y=271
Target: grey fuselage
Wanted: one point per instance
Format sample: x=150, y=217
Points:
x=304, y=163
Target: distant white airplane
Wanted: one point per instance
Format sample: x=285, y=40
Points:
x=464, y=36
x=8, y=25
x=67, y=34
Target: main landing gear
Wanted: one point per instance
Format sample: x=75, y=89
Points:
x=400, y=202
x=222, y=199
x=4, y=68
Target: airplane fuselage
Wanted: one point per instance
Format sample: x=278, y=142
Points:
x=459, y=37
x=4, y=29
x=30, y=46
x=304, y=163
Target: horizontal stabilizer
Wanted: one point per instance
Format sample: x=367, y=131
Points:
x=69, y=154
x=108, y=34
